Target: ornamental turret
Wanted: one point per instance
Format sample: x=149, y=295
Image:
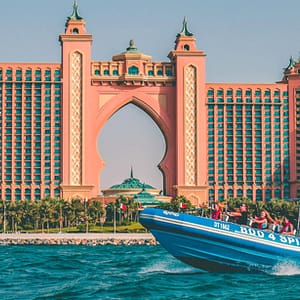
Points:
x=76, y=72
x=75, y=23
x=190, y=107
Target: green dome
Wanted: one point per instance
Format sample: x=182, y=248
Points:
x=131, y=183
x=146, y=199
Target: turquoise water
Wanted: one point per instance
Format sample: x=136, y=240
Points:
x=128, y=272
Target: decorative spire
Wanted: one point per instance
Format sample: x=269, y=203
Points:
x=131, y=172
x=75, y=15
x=184, y=31
x=291, y=64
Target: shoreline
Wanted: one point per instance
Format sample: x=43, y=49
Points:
x=85, y=239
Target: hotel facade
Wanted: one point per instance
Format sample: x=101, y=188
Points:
x=222, y=140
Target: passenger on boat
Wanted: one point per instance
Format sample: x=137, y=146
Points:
x=274, y=222
x=240, y=215
x=217, y=212
x=243, y=218
x=288, y=227
x=262, y=222
x=276, y=227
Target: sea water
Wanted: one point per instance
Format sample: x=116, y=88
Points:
x=129, y=272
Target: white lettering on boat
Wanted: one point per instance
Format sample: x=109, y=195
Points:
x=283, y=239
x=252, y=232
x=220, y=225
x=270, y=236
x=170, y=213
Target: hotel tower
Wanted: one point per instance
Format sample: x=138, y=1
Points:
x=222, y=139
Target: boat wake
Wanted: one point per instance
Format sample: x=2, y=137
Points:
x=287, y=268
x=169, y=266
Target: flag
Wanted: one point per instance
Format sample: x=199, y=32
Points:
x=123, y=206
x=183, y=205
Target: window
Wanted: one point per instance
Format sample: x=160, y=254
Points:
x=133, y=70
x=169, y=72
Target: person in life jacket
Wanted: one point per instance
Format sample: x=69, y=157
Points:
x=262, y=221
x=217, y=212
x=288, y=227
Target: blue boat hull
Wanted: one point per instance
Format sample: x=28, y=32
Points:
x=214, y=245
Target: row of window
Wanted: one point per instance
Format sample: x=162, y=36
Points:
x=257, y=158
x=247, y=100
x=37, y=164
x=29, y=99
x=248, y=180
x=247, y=126
x=28, y=179
x=249, y=133
x=239, y=170
x=133, y=70
x=30, y=75
x=248, y=92
x=27, y=85
x=7, y=193
x=36, y=171
x=242, y=145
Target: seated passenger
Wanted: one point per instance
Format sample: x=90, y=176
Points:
x=243, y=217
x=276, y=227
x=234, y=215
x=240, y=215
x=274, y=223
x=217, y=212
x=262, y=222
x=288, y=227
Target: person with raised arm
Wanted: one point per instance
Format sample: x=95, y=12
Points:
x=288, y=227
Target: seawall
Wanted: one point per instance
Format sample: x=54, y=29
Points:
x=87, y=239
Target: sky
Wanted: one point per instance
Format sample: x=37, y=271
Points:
x=245, y=41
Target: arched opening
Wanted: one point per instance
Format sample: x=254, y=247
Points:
x=186, y=47
x=130, y=138
x=133, y=70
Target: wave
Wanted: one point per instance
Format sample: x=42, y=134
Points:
x=286, y=268
x=168, y=266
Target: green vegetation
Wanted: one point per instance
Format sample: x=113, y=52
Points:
x=178, y=204
x=277, y=208
x=57, y=215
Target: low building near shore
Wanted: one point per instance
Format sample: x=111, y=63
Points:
x=133, y=188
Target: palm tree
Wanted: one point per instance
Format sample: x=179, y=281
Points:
x=121, y=200
x=67, y=212
x=35, y=212
x=96, y=211
x=44, y=211
x=77, y=211
x=26, y=215
x=12, y=215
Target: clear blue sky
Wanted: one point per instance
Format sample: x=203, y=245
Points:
x=245, y=41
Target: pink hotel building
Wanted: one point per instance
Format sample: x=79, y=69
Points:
x=222, y=140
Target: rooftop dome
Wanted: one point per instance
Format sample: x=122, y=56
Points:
x=146, y=199
x=131, y=183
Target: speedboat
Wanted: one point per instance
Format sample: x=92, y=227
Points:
x=218, y=246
